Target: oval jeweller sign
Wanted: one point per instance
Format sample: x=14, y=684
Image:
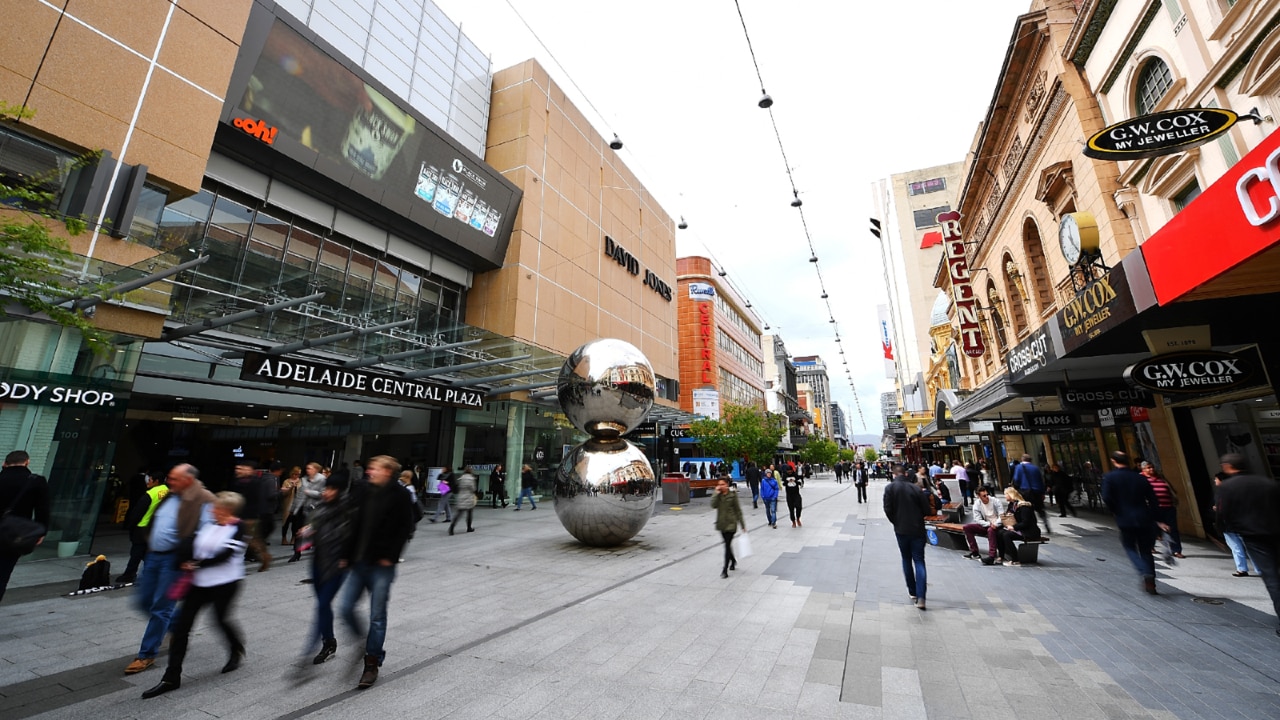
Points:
x=1162, y=133
x=1192, y=373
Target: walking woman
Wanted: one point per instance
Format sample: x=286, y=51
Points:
x=465, y=498
x=728, y=519
x=306, y=499
x=769, y=496
x=328, y=531
x=288, y=491
x=498, y=486
x=215, y=559
x=1024, y=526
x=794, y=501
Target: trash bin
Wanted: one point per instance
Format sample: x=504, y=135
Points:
x=675, y=490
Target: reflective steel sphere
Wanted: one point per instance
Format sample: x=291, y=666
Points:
x=604, y=492
x=606, y=388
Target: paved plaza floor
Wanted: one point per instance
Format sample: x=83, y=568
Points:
x=518, y=620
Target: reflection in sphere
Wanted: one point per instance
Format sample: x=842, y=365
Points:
x=604, y=492
x=606, y=388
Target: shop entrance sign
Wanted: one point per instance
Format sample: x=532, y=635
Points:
x=1195, y=373
x=1162, y=133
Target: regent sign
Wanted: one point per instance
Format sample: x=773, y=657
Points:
x=961, y=290
x=1193, y=373
x=299, y=373
x=1162, y=133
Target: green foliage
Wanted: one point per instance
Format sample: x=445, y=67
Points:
x=34, y=263
x=870, y=455
x=820, y=450
x=741, y=432
x=848, y=454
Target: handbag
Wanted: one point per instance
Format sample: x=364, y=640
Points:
x=19, y=535
x=741, y=546
x=1008, y=520
x=180, y=587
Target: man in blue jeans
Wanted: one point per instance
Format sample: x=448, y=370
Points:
x=381, y=519
x=906, y=505
x=182, y=512
x=1131, y=500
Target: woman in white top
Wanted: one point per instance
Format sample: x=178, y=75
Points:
x=215, y=559
x=305, y=499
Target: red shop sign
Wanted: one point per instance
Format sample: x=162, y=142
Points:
x=961, y=290
x=1236, y=218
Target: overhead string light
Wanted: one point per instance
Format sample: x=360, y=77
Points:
x=766, y=103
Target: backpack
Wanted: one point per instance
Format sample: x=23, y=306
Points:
x=96, y=574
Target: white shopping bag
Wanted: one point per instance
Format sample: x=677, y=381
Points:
x=741, y=546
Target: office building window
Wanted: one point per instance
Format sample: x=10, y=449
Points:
x=929, y=216
x=1154, y=80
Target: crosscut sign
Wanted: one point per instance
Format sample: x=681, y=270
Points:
x=1162, y=133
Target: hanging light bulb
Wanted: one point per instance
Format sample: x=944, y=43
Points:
x=813, y=258
x=765, y=102
x=824, y=296
x=616, y=143
x=683, y=225
x=797, y=202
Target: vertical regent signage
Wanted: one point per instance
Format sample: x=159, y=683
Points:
x=961, y=290
x=706, y=372
x=886, y=340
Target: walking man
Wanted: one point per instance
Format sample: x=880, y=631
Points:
x=753, y=482
x=1030, y=482
x=187, y=508
x=860, y=480
x=249, y=484
x=906, y=506
x=25, y=495
x=1130, y=498
x=381, y=519
x=1248, y=506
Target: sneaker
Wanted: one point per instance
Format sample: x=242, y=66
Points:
x=973, y=555
x=326, y=652
x=1014, y=563
x=1242, y=573
x=920, y=604
x=988, y=561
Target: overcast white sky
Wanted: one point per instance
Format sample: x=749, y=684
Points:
x=861, y=90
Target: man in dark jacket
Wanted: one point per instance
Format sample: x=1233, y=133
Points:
x=1249, y=505
x=753, y=481
x=906, y=506
x=860, y=480
x=381, y=520
x=25, y=495
x=1131, y=500
x=248, y=482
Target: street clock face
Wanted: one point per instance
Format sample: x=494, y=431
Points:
x=1077, y=236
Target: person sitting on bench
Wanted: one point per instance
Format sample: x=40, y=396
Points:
x=1023, y=527
x=986, y=520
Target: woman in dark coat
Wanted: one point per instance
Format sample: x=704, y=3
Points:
x=498, y=486
x=794, y=501
x=728, y=519
x=1024, y=527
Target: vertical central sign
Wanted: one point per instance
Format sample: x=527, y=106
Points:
x=961, y=290
x=704, y=332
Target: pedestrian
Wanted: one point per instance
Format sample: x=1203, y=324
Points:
x=986, y=520
x=1235, y=543
x=248, y=484
x=497, y=486
x=444, y=486
x=464, y=498
x=839, y=473
x=136, y=520
x=1249, y=505
x=1063, y=487
x=1023, y=528
x=328, y=531
x=187, y=508
x=753, y=482
x=794, y=501
x=305, y=499
x=23, y=494
x=860, y=480
x=905, y=505
x=1029, y=481
x=528, y=481
x=215, y=559
x=1131, y=500
x=288, y=490
x=272, y=479
x=769, y=496
x=728, y=519
x=962, y=480
x=405, y=479
x=1166, y=507
x=380, y=522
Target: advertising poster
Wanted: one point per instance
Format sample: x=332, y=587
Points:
x=886, y=342
x=706, y=403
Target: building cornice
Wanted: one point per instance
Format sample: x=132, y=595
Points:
x=1122, y=59
x=1088, y=28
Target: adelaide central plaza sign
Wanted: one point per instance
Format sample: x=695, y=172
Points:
x=299, y=373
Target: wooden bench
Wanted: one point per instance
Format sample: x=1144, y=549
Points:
x=701, y=488
x=954, y=533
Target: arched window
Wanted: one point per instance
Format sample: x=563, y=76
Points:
x=1154, y=80
x=995, y=304
x=1041, y=288
x=1017, y=295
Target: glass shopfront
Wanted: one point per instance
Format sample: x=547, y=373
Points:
x=515, y=434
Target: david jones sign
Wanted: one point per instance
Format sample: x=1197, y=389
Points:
x=629, y=261
x=298, y=373
x=961, y=291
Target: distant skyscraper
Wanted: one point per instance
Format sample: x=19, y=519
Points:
x=811, y=370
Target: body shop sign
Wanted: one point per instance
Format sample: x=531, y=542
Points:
x=1196, y=373
x=299, y=373
x=1162, y=133
x=961, y=289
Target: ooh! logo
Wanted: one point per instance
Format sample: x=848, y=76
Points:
x=257, y=128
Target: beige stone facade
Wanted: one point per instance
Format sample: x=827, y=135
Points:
x=558, y=288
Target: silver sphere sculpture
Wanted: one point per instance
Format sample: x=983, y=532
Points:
x=605, y=486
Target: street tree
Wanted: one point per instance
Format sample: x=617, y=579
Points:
x=741, y=432
x=820, y=450
x=870, y=455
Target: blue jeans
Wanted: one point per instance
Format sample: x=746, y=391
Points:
x=325, y=593
x=151, y=597
x=1238, y=554
x=1265, y=553
x=771, y=509
x=1137, y=543
x=525, y=493
x=377, y=580
x=912, y=549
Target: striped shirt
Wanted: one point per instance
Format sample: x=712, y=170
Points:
x=1164, y=493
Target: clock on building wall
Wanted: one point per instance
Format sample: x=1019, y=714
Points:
x=1078, y=236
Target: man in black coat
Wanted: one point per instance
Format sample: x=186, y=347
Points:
x=1129, y=497
x=753, y=481
x=248, y=482
x=906, y=505
x=25, y=495
x=1249, y=505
